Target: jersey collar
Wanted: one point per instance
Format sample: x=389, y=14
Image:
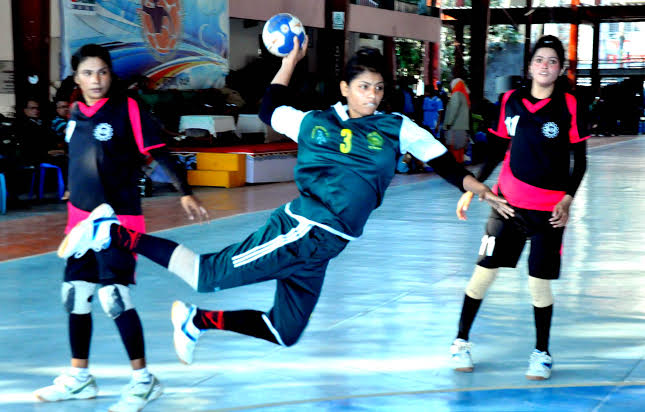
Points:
x=341, y=111
x=90, y=111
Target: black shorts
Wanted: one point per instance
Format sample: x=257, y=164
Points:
x=504, y=241
x=107, y=267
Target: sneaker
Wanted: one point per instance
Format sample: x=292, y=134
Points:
x=91, y=233
x=460, y=358
x=540, y=364
x=136, y=395
x=68, y=387
x=185, y=334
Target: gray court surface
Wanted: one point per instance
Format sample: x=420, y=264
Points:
x=379, y=337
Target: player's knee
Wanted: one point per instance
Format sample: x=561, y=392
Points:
x=77, y=296
x=541, y=293
x=480, y=281
x=284, y=336
x=291, y=337
x=115, y=299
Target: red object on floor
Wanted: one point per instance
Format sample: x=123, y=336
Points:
x=251, y=148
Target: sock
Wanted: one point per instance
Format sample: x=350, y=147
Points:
x=82, y=374
x=468, y=313
x=154, y=248
x=131, y=331
x=542, y=327
x=141, y=375
x=246, y=322
x=80, y=334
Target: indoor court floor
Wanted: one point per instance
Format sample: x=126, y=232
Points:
x=379, y=338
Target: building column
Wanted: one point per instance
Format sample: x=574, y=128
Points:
x=573, y=45
x=595, y=71
x=332, y=45
x=30, y=19
x=478, y=41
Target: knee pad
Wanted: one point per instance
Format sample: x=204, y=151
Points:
x=185, y=264
x=77, y=296
x=115, y=299
x=540, y=292
x=480, y=281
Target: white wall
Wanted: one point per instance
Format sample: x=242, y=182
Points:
x=7, y=101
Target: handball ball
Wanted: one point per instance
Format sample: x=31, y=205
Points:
x=279, y=31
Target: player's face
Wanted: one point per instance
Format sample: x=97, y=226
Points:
x=545, y=67
x=363, y=93
x=94, y=78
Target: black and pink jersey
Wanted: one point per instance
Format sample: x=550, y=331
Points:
x=108, y=142
x=535, y=171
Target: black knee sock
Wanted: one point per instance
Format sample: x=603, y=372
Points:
x=80, y=334
x=246, y=322
x=154, y=248
x=468, y=313
x=131, y=331
x=542, y=327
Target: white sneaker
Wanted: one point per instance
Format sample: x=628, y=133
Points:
x=136, y=395
x=185, y=334
x=68, y=387
x=460, y=358
x=91, y=233
x=540, y=365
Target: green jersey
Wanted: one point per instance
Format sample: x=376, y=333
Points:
x=345, y=165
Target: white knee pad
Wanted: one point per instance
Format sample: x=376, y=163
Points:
x=540, y=292
x=77, y=296
x=185, y=264
x=115, y=299
x=480, y=281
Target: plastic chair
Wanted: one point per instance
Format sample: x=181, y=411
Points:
x=3, y=195
x=44, y=167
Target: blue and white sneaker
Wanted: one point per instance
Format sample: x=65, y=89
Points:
x=185, y=334
x=91, y=233
x=460, y=358
x=540, y=365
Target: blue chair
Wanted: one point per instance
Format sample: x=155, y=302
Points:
x=44, y=167
x=3, y=195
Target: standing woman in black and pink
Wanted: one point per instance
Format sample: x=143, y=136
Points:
x=108, y=138
x=539, y=127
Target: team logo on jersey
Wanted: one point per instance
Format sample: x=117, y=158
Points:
x=550, y=130
x=103, y=132
x=320, y=135
x=374, y=141
x=71, y=125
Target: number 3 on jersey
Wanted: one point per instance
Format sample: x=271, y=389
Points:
x=346, y=145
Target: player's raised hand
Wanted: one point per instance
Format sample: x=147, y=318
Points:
x=297, y=53
x=194, y=209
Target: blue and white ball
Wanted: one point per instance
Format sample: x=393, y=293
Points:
x=279, y=32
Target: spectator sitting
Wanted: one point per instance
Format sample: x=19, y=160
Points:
x=59, y=123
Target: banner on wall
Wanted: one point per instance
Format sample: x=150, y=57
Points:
x=176, y=44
